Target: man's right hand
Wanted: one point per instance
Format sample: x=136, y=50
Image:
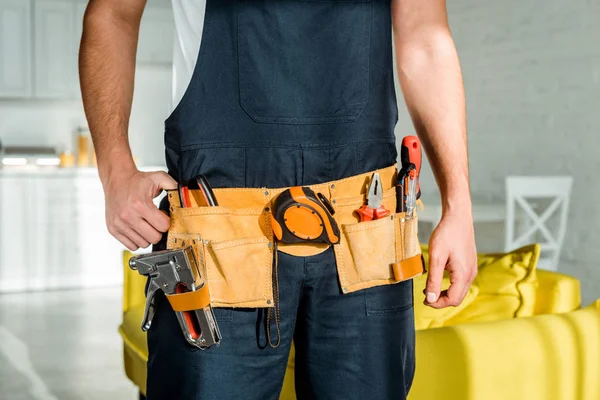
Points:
x=107, y=75
x=131, y=216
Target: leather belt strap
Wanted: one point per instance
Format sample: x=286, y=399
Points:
x=260, y=197
x=189, y=301
x=409, y=268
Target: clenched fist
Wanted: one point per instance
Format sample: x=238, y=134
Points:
x=131, y=216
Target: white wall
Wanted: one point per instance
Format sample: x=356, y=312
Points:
x=53, y=123
x=532, y=77
x=151, y=106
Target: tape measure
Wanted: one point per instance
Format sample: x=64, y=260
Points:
x=299, y=215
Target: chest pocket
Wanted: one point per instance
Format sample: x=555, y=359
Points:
x=303, y=62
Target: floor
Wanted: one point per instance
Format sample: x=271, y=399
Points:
x=62, y=345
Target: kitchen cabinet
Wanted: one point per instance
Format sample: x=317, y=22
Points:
x=39, y=45
x=53, y=232
x=14, y=239
x=15, y=48
x=55, y=49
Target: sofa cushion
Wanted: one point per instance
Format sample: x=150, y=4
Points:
x=511, y=274
x=427, y=317
x=486, y=308
x=557, y=293
x=506, y=288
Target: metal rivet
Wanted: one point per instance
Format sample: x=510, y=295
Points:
x=206, y=242
x=268, y=301
x=332, y=186
x=266, y=192
x=267, y=209
x=402, y=220
x=165, y=285
x=333, y=201
x=345, y=290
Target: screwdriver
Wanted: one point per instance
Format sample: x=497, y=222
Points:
x=402, y=186
x=410, y=158
x=410, y=153
x=411, y=196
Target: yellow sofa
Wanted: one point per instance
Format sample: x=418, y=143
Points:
x=553, y=355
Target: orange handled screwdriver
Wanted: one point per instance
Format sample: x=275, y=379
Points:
x=410, y=153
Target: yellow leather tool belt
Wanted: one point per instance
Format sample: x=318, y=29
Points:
x=234, y=246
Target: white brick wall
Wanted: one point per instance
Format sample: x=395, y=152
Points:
x=532, y=79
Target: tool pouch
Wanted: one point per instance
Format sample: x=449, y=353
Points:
x=234, y=242
x=234, y=248
x=379, y=252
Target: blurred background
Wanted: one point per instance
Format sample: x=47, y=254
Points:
x=532, y=80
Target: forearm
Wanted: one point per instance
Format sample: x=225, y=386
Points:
x=107, y=68
x=431, y=80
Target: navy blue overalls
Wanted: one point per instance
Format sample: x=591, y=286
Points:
x=289, y=93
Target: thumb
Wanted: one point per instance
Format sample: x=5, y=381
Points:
x=437, y=265
x=164, y=180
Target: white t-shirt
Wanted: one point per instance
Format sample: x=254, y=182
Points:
x=189, y=22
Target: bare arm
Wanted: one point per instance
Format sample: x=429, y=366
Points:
x=107, y=67
x=431, y=80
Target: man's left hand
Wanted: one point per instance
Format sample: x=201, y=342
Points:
x=452, y=248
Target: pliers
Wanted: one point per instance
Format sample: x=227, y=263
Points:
x=373, y=209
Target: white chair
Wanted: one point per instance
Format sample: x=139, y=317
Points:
x=523, y=193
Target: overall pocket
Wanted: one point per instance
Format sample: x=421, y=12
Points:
x=303, y=62
x=234, y=251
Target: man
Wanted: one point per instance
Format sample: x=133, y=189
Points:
x=284, y=93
